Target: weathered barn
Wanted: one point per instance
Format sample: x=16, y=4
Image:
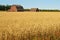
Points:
x=15, y=8
x=34, y=9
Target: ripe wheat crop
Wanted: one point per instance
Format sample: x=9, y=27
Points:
x=29, y=25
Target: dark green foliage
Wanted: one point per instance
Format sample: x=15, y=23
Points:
x=4, y=7
x=49, y=10
x=26, y=9
x=7, y=7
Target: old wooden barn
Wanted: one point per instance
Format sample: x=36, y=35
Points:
x=15, y=8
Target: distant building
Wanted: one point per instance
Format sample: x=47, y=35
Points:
x=34, y=9
x=15, y=8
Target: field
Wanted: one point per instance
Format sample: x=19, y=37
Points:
x=29, y=25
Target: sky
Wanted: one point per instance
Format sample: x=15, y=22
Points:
x=41, y=4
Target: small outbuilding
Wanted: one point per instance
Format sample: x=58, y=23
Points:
x=34, y=9
x=15, y=8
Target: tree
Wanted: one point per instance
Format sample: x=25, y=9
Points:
x=7, y=7
x=2, y=7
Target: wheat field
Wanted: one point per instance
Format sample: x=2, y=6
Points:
x=29, y=25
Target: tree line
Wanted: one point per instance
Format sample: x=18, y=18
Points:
x=6, y=7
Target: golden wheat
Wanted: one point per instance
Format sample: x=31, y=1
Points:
x=29, y=25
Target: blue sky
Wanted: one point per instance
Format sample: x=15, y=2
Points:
x=41, y=4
